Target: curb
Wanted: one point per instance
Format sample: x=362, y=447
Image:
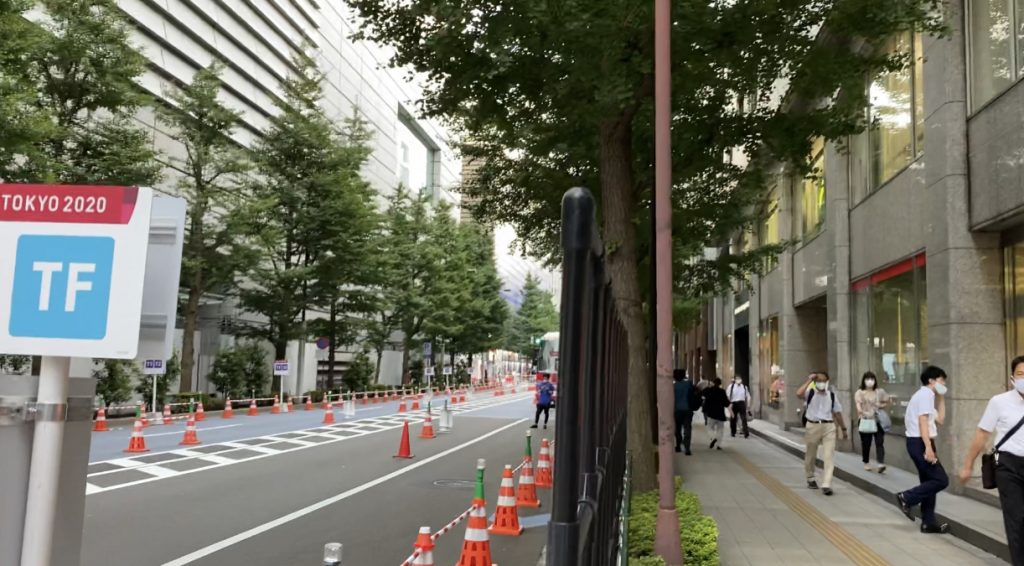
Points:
x=957, y=528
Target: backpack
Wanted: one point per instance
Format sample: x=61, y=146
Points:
x=696, y=399
x=803, y=417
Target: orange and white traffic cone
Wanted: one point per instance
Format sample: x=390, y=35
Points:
x=404, y=450
x=415, y=404
x=200, y=414
x=544, y=477
x=476, y=546
x=329, y=414
x=167, y=415
x=190, y=438
x=140, y=413
x=291, y=405
x=309, y=403
x=252, y=408
x=425, y=548
x=276, y=409
x=364, y=400
x=229, y=411
x=428, y=426
x=401, y=406
x=376, y=397
x=101, y=421
x=323, y=403
x=506, y=515
x=527, y=494
x=137, y=442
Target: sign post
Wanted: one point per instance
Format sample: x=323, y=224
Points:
x=70, y=286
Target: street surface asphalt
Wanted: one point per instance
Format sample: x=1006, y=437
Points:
x=271, y=490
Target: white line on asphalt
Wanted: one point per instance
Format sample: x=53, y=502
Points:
x=157, y=471
x=197, y=430
x=124, y=463
x=254, y=448
x=231, y=541
x=90, y=488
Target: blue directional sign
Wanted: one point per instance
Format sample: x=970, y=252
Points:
x=61, y=287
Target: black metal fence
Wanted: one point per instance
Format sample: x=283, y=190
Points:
x=590, y=448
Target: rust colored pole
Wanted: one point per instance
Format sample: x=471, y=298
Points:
x=666, y=538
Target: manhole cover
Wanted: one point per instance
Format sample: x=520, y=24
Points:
x=457, y=484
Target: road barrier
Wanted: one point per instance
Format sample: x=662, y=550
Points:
x=588, y=481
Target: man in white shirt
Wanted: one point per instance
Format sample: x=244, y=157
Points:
x=823, y=413
x=925, y=411
x=1005, y=416
x=739, y=396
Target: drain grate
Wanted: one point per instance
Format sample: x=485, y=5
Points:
x=456, y=484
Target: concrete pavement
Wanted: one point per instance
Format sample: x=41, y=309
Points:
x=281, y=509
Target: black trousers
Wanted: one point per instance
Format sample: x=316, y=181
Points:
x=865, y=446
x=1010, y=481
x=684, y=428
x=739, y=410
x=545, y=409
x=933, y=480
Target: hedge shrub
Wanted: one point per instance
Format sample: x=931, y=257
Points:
x=698, y=532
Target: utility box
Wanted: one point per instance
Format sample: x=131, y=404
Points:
x=17, y=396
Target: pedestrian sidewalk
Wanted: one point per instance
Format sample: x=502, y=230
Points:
x=766, y=516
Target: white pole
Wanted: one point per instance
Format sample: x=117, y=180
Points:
x=44, y=474
x=155, y=414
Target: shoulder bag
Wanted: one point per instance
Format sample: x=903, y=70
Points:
x=989, y=459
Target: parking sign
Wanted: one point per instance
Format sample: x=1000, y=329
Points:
x=72, y=265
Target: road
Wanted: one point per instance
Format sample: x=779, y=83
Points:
x=273, y=490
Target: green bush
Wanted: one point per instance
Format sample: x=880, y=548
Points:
x=698, y=532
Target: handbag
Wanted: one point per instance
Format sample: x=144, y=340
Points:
x=989, y=459
x=868, y=426
x=884, y=420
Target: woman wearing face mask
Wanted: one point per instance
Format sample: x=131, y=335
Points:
x=869, y=399
x=1005, y=416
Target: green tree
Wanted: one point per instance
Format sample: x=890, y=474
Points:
x=114, y=379
x=144, y=387
x=25, y=123
x=14, y=364
x=255, y=366
x=535, y=318
x=210, y=177
x=229, y=372
x=82, y=71
x=555, y=95
x=484, y=312
x=305, y=170
x=359, y=372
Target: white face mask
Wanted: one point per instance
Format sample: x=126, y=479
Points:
x=869, y=383
x=821, y=385
x=941, y=389
x=1018, y=384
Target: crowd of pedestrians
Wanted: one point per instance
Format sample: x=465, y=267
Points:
x=999, y=436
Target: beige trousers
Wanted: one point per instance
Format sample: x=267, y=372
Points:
x=824, y=435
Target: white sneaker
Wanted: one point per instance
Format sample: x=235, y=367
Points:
x=868, y=468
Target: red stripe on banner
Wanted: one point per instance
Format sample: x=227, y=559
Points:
x=67, y=204
x=887, y=273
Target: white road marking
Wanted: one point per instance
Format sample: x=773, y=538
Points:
x=259, y=449
x=231, y=541
x=158, y=471
x=125, y=463
x=198, y=429
x=90, y=488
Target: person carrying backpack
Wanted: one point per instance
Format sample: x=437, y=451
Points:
x=822, y=415
x=687, y=400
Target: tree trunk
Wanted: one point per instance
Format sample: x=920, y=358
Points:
x=618, y=207
x=405, y=363
x=376, y=370
x=280, y=353
x=331, y=348
x=188, y=338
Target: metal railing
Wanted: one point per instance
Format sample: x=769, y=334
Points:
x=590, y=453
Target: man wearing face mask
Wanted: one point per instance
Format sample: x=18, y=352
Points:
x=925, y=411
x=739, y=396
x=823, y=414
x=1005, y=416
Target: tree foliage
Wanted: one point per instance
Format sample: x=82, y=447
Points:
x=114, y=379
x=535, y=318
x=209, y=178
x=240, y=370
x=560, y=94
x=14, y=364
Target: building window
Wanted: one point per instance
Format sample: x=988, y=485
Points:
x=996, y=45
x=768, y=352
x=809, y=197
x=895, y=112
x=890, y=329
x=768, y=233
x=1014, y=286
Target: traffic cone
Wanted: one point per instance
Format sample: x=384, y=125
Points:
x=327, y=397
x=252, y=408
x=401, y=406
x=190, y=438
x=200, y=414
x=428, y=426
x=476, y=546
x=415, y=404
x=140, y=414
x=544, y=477
x=329, y=414
x=364, y=400
x=425, y=546
x=404, y=451
x=506, y=516
x=376, y=397
x=309, y=402
x=101, y=421
x=291, y=405
x=276, y=409
x=167, y=415
x=229, y=411
x=527, y=494
x=137, y=442
x=462, y=398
